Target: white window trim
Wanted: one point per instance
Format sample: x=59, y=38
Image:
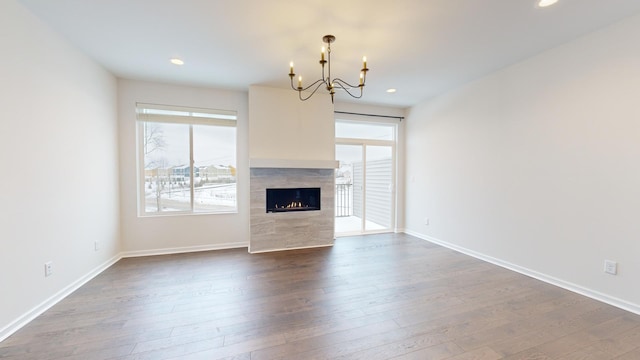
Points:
x=192, y=116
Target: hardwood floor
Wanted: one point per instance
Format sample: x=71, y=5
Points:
x=386, y=296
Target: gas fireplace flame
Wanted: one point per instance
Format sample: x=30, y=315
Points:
x=292, y=205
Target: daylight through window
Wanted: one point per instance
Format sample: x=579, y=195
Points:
x=187, y=160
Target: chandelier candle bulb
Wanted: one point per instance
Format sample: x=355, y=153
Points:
x=291, y=68
x=322, y=54
x=299, y=82
x=364, y=62
x=361, y=78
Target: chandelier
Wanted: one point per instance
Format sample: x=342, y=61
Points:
x=329, y=83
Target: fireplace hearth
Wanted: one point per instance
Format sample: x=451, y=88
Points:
x=294, y=199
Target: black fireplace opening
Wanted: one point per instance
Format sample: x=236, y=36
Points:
x=296, y=199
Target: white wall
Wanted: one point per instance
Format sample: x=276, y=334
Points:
x=537, y=165
x=283, y=127
x=144, y=235
x=58, y=152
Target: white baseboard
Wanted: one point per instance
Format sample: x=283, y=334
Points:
x=596, y=295
x=180, y=250
x=23, y=320
x=293, y=248
x=57, y=297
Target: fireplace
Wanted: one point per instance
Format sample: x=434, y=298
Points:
x=284, y=230
x=294, y=199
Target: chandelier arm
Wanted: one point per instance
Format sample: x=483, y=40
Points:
x=340, y=85
x=313, y=92
x=319, y=82
x=343, y=83
x=308, y=87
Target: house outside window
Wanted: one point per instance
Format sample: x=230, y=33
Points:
x=186, y=159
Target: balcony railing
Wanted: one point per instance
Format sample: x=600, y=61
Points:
x=344, y=198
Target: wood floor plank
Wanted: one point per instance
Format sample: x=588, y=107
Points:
x=396, y=348
x=307, y=345
x=388, y=296
x=483, y=353
x=632, y=355
x=436, y=352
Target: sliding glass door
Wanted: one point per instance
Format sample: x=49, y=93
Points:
x=365, y=191
x=349, y=189
x=379, y=188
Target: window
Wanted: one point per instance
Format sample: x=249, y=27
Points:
x=361, y=130
x=187, y=160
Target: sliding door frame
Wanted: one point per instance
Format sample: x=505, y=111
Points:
x=371, y=142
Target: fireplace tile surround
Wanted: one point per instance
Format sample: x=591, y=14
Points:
x=290, y=230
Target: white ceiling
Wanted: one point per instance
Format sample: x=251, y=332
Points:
x=421, y=47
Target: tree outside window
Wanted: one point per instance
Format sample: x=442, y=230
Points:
x=189, y=161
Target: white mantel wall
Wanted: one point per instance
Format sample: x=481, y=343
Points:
x=292, y=144
x=537, y=167
x=283, y=127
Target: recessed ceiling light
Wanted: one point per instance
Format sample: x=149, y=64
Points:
x=545, y=3
x=391, y=91
x=176, y=61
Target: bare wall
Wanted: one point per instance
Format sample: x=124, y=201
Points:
x=58, y=149
x=283, y=127
x=536, y=166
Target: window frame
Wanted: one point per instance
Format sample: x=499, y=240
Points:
x=168, y=114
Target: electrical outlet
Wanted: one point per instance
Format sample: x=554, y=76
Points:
x=48, y=269
x=610, y=267
x=426, y=221
x=96, y=245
